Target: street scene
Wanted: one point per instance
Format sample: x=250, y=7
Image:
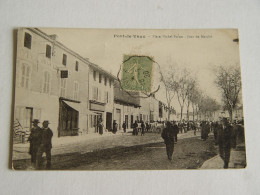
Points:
x=103, y=99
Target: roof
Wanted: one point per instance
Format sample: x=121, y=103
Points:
x=62, y=46
x=127, y=98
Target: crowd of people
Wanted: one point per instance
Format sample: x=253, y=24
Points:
x=226, y=135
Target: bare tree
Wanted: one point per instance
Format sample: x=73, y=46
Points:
x=190, y=93
x=229, y=82
x=169, y=82
x=182, y=88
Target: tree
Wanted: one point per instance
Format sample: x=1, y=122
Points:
x=183, y=85
x=169, y=84
x=229, y=82
x=190, y=93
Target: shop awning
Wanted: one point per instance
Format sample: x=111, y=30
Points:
x=76, y=106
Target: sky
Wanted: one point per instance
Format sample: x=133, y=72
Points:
x=201, y=51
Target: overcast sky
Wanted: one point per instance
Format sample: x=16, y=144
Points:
x=199, y=50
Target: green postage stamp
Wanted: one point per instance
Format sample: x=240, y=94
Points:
x=137, y=73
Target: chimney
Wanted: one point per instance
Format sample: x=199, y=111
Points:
x=54, y=37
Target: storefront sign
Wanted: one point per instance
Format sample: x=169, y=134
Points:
x=97, y=107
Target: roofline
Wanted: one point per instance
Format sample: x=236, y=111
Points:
x=62, y=46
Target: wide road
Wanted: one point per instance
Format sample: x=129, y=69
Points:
x=189, y=153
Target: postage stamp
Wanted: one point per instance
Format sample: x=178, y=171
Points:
x=137, y=73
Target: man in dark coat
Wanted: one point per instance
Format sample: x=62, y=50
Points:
x=45, y=146
x=168, y=136
x=100, y=126
x=225, y=141
x=175, y=130
x=124, y=127
x=135, y=131
x=142, y=127
x=35, y=141
x=114, y=127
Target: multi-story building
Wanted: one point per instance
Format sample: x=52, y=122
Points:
x=101, y=97
x=51, y=83
x=126, y=106
x=56, y=84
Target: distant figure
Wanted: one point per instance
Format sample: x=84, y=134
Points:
x=225, y=141
x=176, y=131
x=135, y=130
x=114, y=127
x=124, y=127
x=168, y=136
x=45, y=146
x=147, y=126
x=35, y=141
x=205, y=129
x=142, y=128
x=216, y=127
x=100, y=127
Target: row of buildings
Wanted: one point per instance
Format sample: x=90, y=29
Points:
x=56, y=84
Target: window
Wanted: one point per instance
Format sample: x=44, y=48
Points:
x=106, y=97
x=48, y=51
x=27, y=40
x=25, y=79
x=46, y=84
x=95, y=93
x=94, y=75
x=105, y=81
x=76, y=91
x=110, y=83
x=99, y=95
x=77, y=66
x=64, y=59
x=63, y=87
x=91, y=121
x=100, y=78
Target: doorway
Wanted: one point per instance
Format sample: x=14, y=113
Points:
x=109, y=121
x=126, y=121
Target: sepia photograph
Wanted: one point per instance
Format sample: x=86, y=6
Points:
x=127, y=99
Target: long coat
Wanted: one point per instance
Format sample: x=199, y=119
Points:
x=168, y=135
x=35, y=139
x=46, y=136
x=226, y=137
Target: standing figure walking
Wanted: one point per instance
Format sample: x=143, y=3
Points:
x=142, y=128
x=225, y=141
x=168, y=136
x=35, y=141
x=135, y=131
x=176, y=131
x=100, y=126
x=45, y=146
x=124, y=127
x=114, y=127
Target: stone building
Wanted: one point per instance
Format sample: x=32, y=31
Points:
x=56, y=84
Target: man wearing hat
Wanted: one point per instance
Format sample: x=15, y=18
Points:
x=35, y=140
x=168, y=136
x=225, y=141
x=45, y=146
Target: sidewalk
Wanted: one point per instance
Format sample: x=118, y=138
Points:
x=92, y=142
x=237, y=159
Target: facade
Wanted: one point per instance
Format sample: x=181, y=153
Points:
x=101, y=98
x=56, y=84
x=126, y=107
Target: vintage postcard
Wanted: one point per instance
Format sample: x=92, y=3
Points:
x=127, y=99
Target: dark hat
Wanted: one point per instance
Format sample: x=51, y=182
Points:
x=46, y=121
x=35, y=121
